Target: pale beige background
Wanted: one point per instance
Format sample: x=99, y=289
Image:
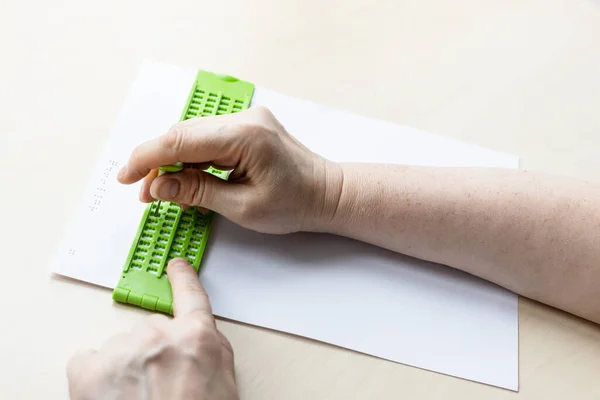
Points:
x=517, y=76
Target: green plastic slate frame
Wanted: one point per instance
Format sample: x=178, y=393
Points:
x=166, y=231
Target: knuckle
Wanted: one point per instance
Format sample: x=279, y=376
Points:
x=220, y=131
x=265, y=118
x=225, y=342
x=189, y=286
x=200, y=332
x=263, y=113
x=258, y=133
x=78, y=362
x=206, y=337
x=176, y=138
x=73, y=361
x=153, y=337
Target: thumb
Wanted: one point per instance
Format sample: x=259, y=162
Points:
x=195, y=188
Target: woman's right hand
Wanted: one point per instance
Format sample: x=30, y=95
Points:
x=277, y=184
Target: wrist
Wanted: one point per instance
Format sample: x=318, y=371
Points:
x=328, y=196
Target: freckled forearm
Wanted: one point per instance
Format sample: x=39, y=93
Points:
x=535, y=234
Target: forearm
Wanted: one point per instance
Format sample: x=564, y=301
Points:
x=536, y=235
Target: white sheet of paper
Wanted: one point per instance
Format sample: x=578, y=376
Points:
x=319, y=286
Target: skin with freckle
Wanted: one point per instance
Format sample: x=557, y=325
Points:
x=534, y=234
x=537, y=235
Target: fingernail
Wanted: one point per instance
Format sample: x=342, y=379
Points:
x=180, y=262
x=122, y=172
x=168, y=189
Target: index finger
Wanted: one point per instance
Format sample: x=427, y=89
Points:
x=195, y=141
x=189, y=297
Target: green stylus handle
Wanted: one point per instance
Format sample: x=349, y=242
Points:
x=178, y=166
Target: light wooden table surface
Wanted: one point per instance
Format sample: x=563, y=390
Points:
x=517, y=76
